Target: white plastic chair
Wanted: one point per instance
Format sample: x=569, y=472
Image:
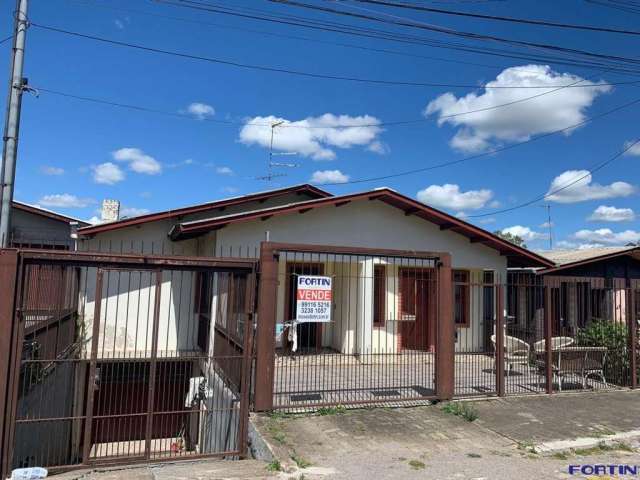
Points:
x=516, y=351
x=556, y=343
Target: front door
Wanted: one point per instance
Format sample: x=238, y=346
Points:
x=309, y=333
x=417, y=295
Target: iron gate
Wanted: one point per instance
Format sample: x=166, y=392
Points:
x=122, y=358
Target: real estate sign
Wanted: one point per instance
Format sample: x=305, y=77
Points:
x=314, y=297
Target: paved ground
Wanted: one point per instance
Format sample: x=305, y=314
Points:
x=430, y=443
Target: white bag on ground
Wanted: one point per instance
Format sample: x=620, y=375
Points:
x=33, y=473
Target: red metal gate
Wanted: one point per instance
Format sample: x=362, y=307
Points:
x=123, y=358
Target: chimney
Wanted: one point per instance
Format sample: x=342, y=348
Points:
x=110, y=210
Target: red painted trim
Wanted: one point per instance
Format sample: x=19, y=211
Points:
x=45, y=213
x=152, y=217
x=192, y=229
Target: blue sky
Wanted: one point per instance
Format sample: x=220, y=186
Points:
x=74, y=153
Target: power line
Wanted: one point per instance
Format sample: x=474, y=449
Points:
x=488, y=152
x=401, y=21
x=290, y=37
x=336, y=27
x=302, y=73
x=6, y=39
x=288, y=124
x=543, y=23
x=590, y=172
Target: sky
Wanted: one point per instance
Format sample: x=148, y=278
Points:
x=208, y=135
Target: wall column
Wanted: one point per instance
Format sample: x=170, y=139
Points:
x=445, y=343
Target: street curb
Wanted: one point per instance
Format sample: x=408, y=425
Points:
x=585, y=442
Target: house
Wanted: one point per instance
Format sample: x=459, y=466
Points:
x=35, y=227
x=584, y=285
x=382, y=291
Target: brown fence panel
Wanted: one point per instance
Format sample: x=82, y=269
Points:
x=120, y=360
x=376, y=341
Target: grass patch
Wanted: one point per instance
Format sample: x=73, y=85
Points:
x=417, y=464
x=601, y=432
x=602, y=448
x=527, y=446
x=560, y=456
x=474, y=455
x=274, y=466
x=299, y=461
x=461, y=409
x=339, y=410
x=279, y=437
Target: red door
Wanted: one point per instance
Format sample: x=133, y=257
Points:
x=416, y=319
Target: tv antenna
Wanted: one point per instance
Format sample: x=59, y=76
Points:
x=271, y=175
x=549, y=224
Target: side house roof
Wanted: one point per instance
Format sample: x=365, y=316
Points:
x=518, y=256
x=219, y=204
x=565, y=259
x=25, y=207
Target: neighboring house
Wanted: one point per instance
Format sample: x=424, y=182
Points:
x=34, y=227
x=584, y=285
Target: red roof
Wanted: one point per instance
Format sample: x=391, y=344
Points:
x=518, y=256
x=218, y=204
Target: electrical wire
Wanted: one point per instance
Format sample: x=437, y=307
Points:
x=302, y=73
x=6, y=39
x=404, y=38
x=292, y=125
x=543, y=23
x=488, y=152
x=590, y=172
x=401, y=21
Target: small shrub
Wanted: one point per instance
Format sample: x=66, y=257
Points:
x=300, y=462
x=274, y=466
x=460, y=409
x=339, y=410
x=416, y=464
x=613, y=336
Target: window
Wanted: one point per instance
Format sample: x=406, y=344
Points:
x=379, y=295
x=461, y=297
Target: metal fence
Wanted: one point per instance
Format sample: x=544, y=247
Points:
x=544, y=334
x=379, y=341
x=122, y=358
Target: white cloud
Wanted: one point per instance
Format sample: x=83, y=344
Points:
x=449, y=196
x=329, y=176
x=107, y=173
x=519, y=121
x=342, y=131
x=138, y=161
x=612, y=214
x=49, y=170
x=229, y=190
x=546, y=224
x=584, y=189
x=524, y=232
x=119, y=24
x=224, y=171
x=65, y=200
x=95, y=220
x=132, y=212
x=607, y=237
x=633, y=150
x=201, y=110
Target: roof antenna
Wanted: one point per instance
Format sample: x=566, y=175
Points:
x=271, y=175
x=549, y=224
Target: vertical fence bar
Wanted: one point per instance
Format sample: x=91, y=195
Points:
x=500, y=341
x=445, y=346
x=247, y=361
x=265, y=345
x=547, y=338
x=86, y=450
x=8, y=281
x=153, y=364
x=633, y=335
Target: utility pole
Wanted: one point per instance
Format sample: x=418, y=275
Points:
x=17, y=84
